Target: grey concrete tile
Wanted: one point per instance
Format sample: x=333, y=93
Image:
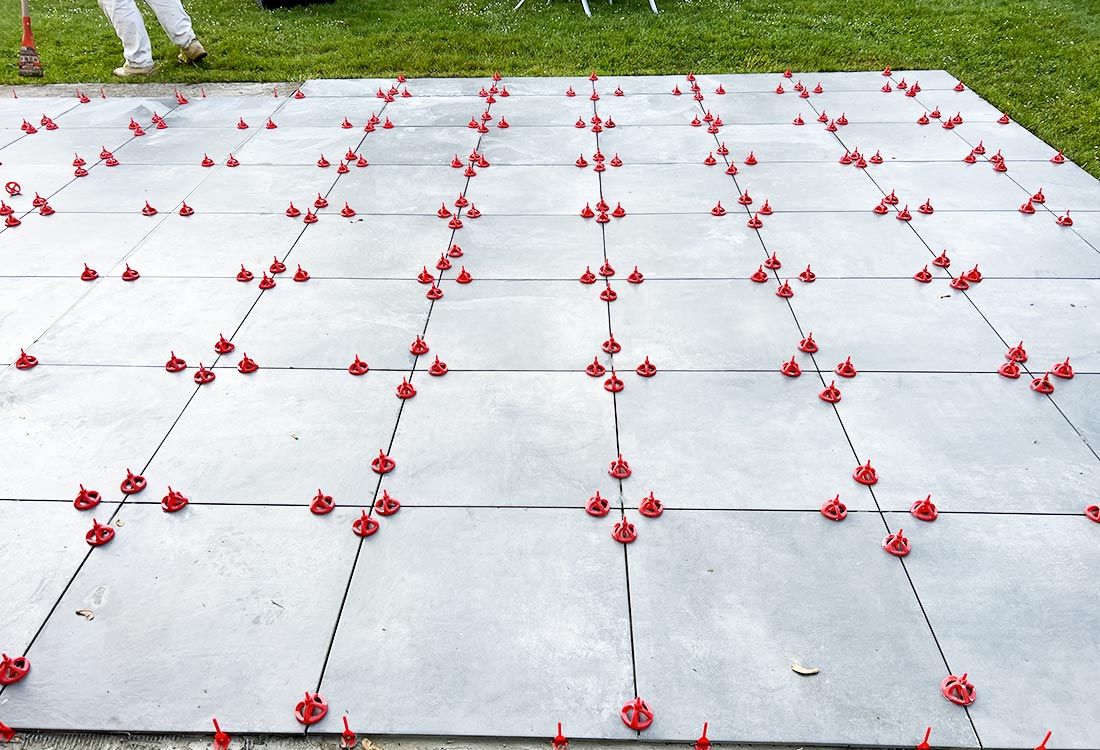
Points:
x=538, y=145
x=523, y=325
x=394, y=247
x=512, y=658
x=216, y=621
x=346, y=87
x=58, y=148
x=83, y=425
x=666, y=246
x=952, y=186
x=663, y=188
x=819, y=187
x=782, y=448
x=139, y=323
x=520, y=247
x=703, y=324
x=42, y=246
x=1054, y=318
x=325, y=322
x=114, y=112
x=127, y=187
x=896, y=324
x=982, y=444
x=44, y=545
x=179, y=146
x=1032, y=666
x=31, y=306
x=300, y=147
x=712, y=596
x=500, y=439
x=1081, y=407
x=501, y=190
x=295, y=431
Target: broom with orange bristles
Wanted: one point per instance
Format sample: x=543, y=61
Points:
x=29, y=62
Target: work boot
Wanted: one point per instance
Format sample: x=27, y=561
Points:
x=192, y=53
x=128, y=70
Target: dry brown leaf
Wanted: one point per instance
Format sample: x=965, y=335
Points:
x=368, y=745
x=87, y=614
x=799, y=669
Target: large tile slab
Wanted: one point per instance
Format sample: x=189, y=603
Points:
x=548, y=641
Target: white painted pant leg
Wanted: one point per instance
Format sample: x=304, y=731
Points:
x=174, y=20
x=126, y=18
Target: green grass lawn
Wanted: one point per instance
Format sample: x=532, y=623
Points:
x=1038, y=60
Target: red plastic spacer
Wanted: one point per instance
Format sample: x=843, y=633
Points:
x=619, y=468
x=807, y=276
x=646, y=369
x=464, y=276
x=405, y=390
x=434, y=293
x=347, y=211
x=1093, y=513
x=924, y=743
x=301, y=274
x=12, y=670
x=99, y=534
x=559, y=742
x=386, y=505
x=383, y=464
x=221, y=739
x=790, y=368
x=25, y=361
x=759, y=275
x=175, y=364
x=808, y=344
x=611, y=346
x=1062, y=370
x=595, y=369
x=313, y=708
x=846, y=369
x=173, y=501
x=204, y=376
x=718, y=210
x=597, y=506
x=624, y=531
x=1064, y=221
x=12, y=188
x=834, y=510
x=1043, y=745
x=755, y=222
x=437, y=368
x=1010, y=370
x=1043, y=384
x=358, y=367
x=364, y=525
x=247, y=365
x=784, y=290
x=830, y=393
x=321, y=504
x=896, y=544
x=926, y=207
x=613, y=384
x=608, y=294
x=419, y=346
x=636, y=714
x=86, y=499
x=924, y=510
x=1039, y=197
x=347, y=737
x=773, y=262
x=148, y=210
x=960, y=283
x=635, y=276
x=903, y=214
x=7, y=734
x=865, y=474
x=223, y=346
x=651, y=507
x=88, y=274
x=293, y=211
x=958, y=690
x=924, y=276
x=1017, y=353
x=132, y=484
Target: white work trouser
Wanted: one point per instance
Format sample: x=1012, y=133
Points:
x=126, y=18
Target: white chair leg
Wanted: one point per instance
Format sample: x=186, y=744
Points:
x=521, y=2
x=653, y=4
x=587, y=12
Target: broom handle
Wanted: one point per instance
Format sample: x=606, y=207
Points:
x=26, y=8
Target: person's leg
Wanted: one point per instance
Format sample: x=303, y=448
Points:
x=126, y=18
x=174, y=20
x=177, y=25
